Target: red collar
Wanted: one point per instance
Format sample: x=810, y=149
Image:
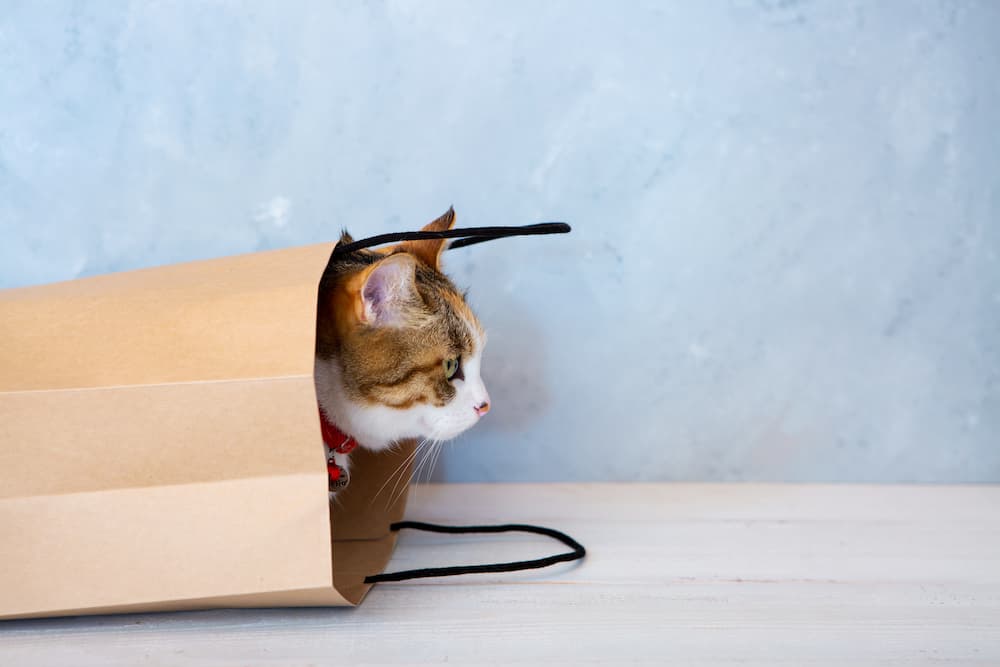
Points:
x=335, y=439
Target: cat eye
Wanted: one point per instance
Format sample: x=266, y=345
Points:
x=453, y=368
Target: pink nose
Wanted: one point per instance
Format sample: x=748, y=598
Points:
x=482, y=408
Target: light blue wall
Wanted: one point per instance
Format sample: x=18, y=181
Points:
x=786, y=257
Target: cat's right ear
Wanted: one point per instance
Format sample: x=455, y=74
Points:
x=389, y=292
x=429, y=251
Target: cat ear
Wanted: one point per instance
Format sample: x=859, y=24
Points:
x=388, y=292
x=429, y=252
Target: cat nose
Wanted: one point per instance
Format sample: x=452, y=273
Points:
x=482, y=408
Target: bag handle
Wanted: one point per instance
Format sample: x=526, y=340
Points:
x=466, y=237
x=577, y=552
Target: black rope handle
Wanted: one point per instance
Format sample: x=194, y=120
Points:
x=467, y=236
x=577, y=552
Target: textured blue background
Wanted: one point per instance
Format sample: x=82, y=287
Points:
x=787, y=214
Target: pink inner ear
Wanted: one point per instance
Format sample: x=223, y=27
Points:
x=374, y=292
x=374, y=295
x=386, y=290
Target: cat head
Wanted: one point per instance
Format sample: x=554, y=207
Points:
x=398, y=350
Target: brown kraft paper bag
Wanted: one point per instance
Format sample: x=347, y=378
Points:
x=160, y=445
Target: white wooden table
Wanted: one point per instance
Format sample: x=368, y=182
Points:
x=687, y=574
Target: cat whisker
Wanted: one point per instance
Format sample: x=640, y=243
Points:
x=429, y=460
x=425, y=459
x=416, y=450
x=413, y=473
x=429, y=468
x=397, y=471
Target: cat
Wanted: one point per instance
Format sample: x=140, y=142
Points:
x=398, y=350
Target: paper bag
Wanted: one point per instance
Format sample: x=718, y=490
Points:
x=160, y=445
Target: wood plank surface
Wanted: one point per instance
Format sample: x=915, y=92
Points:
x=687, y=574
